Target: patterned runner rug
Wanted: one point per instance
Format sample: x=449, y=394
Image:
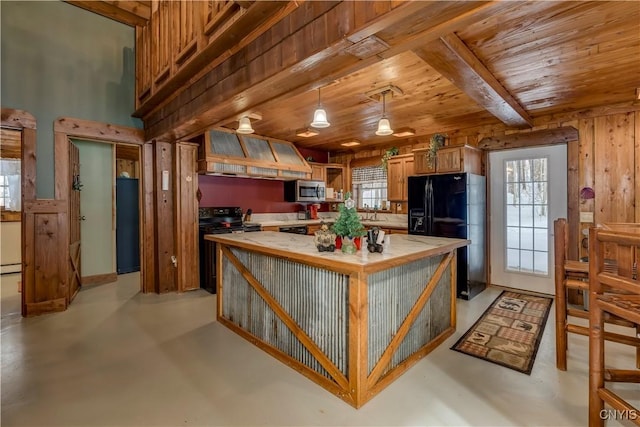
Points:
x=509, y=332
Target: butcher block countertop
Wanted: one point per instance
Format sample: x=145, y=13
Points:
x=401, y=249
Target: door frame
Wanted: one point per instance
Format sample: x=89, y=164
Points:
x=65, y=129
x=535, y=282
x=573, y=187
x=26, y=124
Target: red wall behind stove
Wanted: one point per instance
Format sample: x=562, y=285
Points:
x=259, y=195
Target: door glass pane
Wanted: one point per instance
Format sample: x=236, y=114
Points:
x=513, y=237
x=527, y=215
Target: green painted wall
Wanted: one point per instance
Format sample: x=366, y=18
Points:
x=97, y=231
x=58, y=60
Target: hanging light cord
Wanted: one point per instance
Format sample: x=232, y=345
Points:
x=384, y=104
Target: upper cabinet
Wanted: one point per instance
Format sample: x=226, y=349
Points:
x=450, y=159
x=334, y=174
x=398, y=169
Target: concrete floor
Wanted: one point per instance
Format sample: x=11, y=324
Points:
x=120, y=358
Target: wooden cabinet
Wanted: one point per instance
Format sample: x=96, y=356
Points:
x=452, y=159
x=334, y=174
x=312, y=228
x=398, y=169
x=318, y=172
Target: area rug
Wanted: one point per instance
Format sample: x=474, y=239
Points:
x=509, y=332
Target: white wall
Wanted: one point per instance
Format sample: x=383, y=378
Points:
x=10, y=246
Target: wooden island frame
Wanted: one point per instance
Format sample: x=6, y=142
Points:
x=350, y=323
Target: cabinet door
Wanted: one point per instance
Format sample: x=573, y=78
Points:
x=317, y=172
x=449, y=160
x=421, y=163
x=395, y=174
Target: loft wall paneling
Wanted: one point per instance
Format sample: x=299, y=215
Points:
x=164, y=215
x=186, y=185
x=185, y=40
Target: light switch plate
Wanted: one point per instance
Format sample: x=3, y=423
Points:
x=586, y=216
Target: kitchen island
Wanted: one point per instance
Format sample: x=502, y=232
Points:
x=351, y=323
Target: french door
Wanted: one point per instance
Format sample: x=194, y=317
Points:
x=528, y=192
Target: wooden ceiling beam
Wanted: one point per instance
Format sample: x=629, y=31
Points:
x=134, y=13
x=456, y=62
x=530, y=139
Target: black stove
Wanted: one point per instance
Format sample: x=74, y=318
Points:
x=217, y=220
x=224, y=220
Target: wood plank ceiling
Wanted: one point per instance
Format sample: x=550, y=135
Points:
x=459, y=65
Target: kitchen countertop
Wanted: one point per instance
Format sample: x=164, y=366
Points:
x=401, y=249
x=294, y=222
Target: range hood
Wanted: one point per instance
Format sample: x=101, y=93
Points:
x=225, y=152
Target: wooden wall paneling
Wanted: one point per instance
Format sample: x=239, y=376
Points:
x=614, y=168
x=573, y=193
x=164, y=224
x=28, y=164
x=143, y=64
x=129, y=167
x=147, y=209
x=636, y=157
x=585, y=178
x=186, y=185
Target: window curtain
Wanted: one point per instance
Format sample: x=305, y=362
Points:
x=10, y=169
x=368, y=174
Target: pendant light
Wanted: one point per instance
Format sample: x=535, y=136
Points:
x=384, y=128
x=320, y=116
x=244, y=125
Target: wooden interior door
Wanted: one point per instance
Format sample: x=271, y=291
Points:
x=74, y=221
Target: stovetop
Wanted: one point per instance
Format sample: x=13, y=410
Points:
x=224, y=220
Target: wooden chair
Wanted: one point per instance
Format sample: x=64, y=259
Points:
x=614, y=288
x=572, y=274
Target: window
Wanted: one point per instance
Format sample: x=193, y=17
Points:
x=10, y=184
x=369, y=187
x=527, y=209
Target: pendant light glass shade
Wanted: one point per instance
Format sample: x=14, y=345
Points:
x=320, y=116
x=244, y=125
x=384, y=127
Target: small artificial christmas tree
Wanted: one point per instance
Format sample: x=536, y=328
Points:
x=348, y=225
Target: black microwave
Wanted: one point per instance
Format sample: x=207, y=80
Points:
x=304, y=191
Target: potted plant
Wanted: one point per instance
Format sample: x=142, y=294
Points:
x=348, y=225
x=435, y=143
x=393, y=151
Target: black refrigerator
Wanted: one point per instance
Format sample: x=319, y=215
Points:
x=453, y=205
